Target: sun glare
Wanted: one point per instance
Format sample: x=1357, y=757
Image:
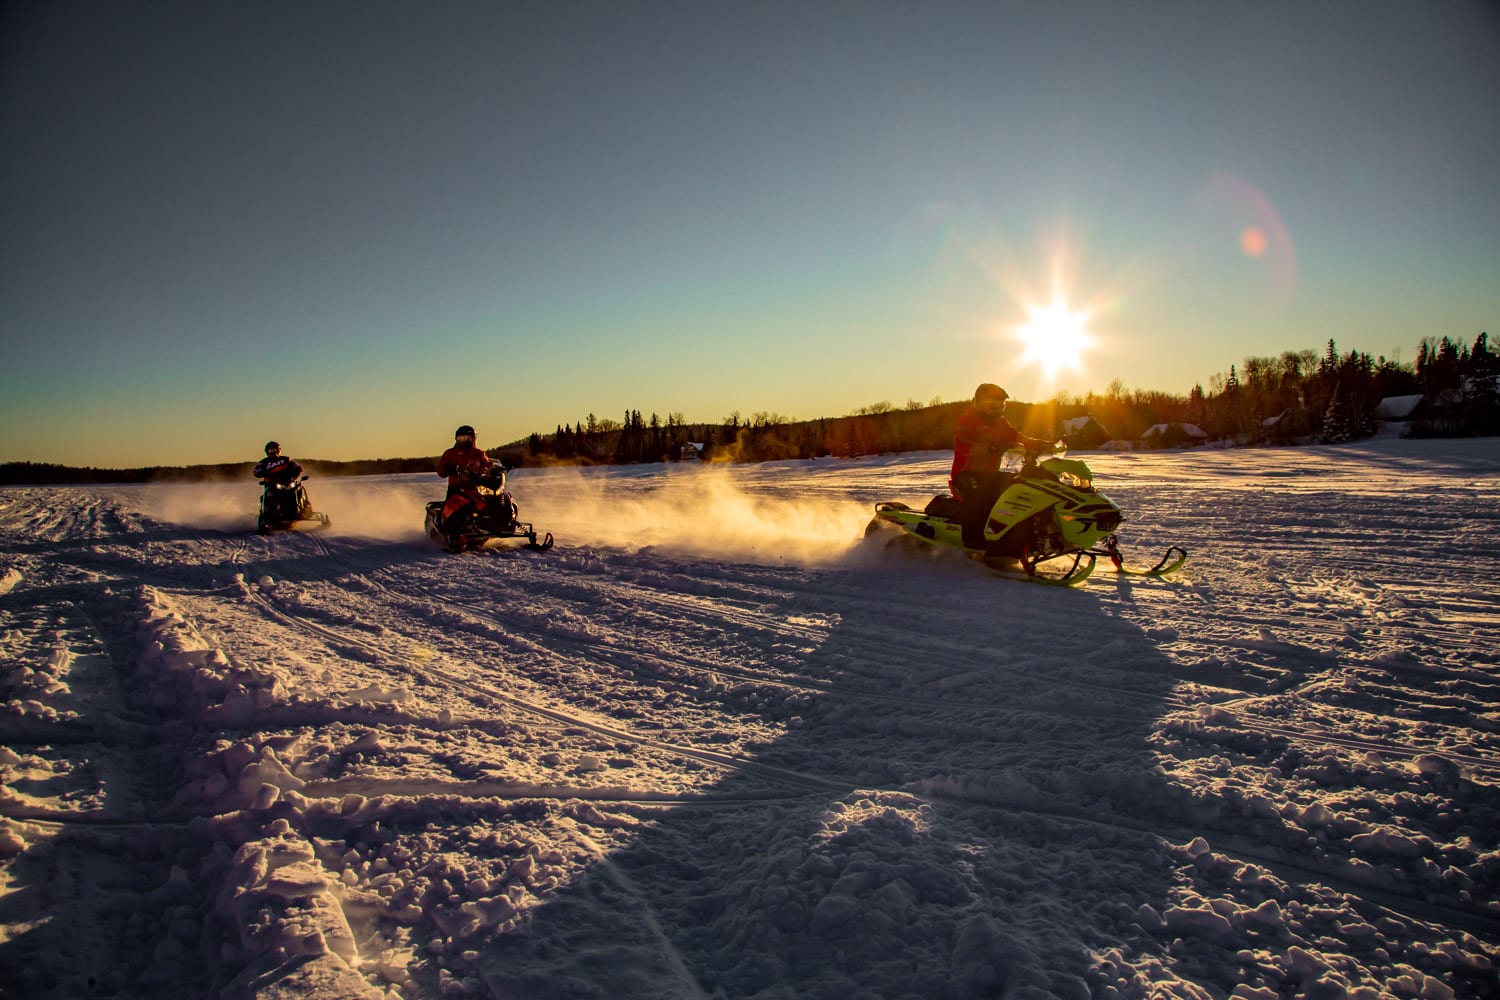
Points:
x=1054, y=337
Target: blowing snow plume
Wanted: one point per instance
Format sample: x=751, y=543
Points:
x=376, y=508
x=735, y=512
x=369, y=507
x=220, y=506
x=701, y=510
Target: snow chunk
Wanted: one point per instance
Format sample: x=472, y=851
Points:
x=1204, y=923
x=1196, y=848
x=278, y=900
x=375, y=693
x=1267, y=915
x=11, y=840
x=1149, y=918
x=1436, y=766
x=1384, y=840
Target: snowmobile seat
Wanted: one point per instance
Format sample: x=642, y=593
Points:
x=950, y=508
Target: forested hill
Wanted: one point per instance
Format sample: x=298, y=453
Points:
x=878, y=429
x=1296, y=398
x=41, y=473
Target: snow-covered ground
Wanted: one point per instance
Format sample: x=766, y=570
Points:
x=713, y=744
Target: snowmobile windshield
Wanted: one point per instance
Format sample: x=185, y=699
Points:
x=1070, y=471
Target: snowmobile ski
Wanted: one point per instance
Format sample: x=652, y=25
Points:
x=1031, y=572
x=1170, y=562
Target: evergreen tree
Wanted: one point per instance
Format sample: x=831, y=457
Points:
x=1394, y=379
x=1197, y=407
x=655, y=440
x=1337, y=426
x=1482, y=395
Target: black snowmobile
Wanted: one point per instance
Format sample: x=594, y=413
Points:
x=481, y=510
x=283, y=506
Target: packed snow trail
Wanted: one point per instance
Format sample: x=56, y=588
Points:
x=715, y=745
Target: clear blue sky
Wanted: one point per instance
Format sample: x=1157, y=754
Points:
x=353, y=226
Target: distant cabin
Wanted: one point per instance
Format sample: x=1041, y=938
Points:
x=693, y=451
x=1398, y=407
x=1173, y=435
x=1277, y=429
x=1084, y=433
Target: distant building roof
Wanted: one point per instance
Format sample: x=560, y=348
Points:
x=1191, y=430
x=1397, y=407
x=1076, y=423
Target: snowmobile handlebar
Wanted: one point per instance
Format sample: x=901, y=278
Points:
x=1040, y=448
x=491, y=479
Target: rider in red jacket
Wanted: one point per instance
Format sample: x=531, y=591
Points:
x=981, y=436
x=464, y=460
x=463, y=464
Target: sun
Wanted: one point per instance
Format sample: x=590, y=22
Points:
x=1054, y=337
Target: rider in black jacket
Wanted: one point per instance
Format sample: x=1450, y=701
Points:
x=277, y=468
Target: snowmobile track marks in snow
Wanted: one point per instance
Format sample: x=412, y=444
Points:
x=730, y=761
x=661, y=669
x=1475, y=920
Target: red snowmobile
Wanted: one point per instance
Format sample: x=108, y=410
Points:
x=480, y=510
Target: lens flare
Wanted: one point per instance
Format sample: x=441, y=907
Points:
x=1232, y=212
x=1253, y=241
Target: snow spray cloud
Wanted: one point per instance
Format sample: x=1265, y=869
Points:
x=751, y=513
x=220, y=506
x=389, y=509
x=699, y=510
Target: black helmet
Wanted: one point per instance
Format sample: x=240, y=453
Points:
x=465, y=429
x=272, y=444
x=989, y=390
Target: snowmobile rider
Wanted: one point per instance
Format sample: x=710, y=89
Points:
x=276, y=468
x=462, y=464
x=464, y=461
x=980, y=438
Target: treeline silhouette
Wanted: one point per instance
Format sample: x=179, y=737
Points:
x=1299, y=397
